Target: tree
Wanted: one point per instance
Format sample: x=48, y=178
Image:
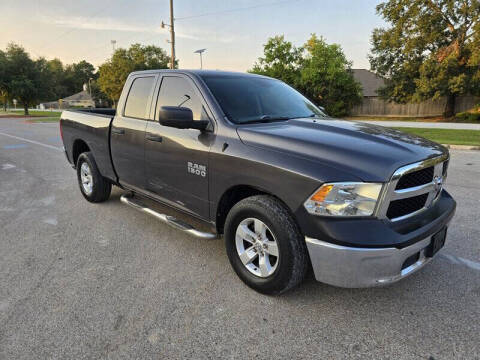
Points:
x=76, y=75
x=100, y=98
x=57, y=79
x=24, y=83
x=282, y=60
x=327, y=78
x=319, y=70
x=114, y=72
x=4, y=79
x=430, y=50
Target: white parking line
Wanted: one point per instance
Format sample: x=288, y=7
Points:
x=458, y=260
x=32, y=142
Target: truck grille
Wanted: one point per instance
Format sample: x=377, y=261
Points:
x=412, y=188
x=416, y=178
x=402, y=207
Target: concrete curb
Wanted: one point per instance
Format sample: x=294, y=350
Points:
x=461, y=147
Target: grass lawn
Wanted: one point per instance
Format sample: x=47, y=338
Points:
x=35, y=113
x=446, y=136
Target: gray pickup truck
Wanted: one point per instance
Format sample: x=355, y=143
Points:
x=252, y=159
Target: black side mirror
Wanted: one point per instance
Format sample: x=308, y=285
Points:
x=180, y=118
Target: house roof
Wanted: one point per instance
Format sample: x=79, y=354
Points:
x=370, y=81
x=82, y=95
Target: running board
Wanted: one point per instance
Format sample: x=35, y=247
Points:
x=167, y=219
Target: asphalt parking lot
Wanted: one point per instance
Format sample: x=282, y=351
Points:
x=84, y=281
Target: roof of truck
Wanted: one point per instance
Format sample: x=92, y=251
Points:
x=199, y=72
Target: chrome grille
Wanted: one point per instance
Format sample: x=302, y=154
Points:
x=413, y=188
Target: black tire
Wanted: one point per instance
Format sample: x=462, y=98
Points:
x=293, y=257
x=101, y=187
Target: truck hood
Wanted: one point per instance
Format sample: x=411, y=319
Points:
x=369, y=152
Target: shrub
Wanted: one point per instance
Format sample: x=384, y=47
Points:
x=468, y=117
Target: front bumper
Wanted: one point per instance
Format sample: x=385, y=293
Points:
x=364, y=267
x=369, y=253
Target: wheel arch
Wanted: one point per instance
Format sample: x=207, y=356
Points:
x=232, y=196
x=79, y=146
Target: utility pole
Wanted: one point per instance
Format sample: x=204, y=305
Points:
x=172, y=35
x=113, y=42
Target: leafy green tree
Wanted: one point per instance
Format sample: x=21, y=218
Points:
x=57, y=78
x=281, y=60
x=431, y=49
x=319, y=70
x=4, y=79
x=326, y=77
x=100, y=98
x=77, y=74
x=25, y=80
x=114, y=72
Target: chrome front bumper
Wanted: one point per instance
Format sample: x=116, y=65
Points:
x=351, y=267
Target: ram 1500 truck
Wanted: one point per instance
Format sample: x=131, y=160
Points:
x=286, y=185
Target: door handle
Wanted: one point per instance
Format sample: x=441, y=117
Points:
x=152, y=137
x=118, y=131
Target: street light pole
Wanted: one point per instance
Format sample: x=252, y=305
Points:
x=200, y=52
x=90, y=87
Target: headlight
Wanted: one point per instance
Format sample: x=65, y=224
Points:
x=344, y=199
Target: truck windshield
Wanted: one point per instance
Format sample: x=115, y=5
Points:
x=247, y=99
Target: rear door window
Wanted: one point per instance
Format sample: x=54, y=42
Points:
x=138, y=96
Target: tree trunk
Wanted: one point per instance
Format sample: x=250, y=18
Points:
x=450, y=106
x=25, y=107
x=5, y=106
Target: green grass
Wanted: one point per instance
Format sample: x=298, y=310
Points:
x=446, y=136
x=35, y=113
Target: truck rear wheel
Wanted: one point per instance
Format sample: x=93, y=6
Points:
x=94, y=187
x=264, y=245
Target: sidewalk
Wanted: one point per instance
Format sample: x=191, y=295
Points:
x=433, y=125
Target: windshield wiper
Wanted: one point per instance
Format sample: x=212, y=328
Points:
x=267, y=119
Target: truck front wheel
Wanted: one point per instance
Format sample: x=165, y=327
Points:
x=264, y=245
x=94, y=187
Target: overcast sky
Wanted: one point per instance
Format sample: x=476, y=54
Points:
x=233, y=31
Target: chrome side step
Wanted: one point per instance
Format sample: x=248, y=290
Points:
x=129, y=199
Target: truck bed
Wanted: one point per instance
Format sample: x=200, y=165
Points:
x=90, y=127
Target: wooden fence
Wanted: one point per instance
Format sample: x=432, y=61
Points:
x=373, y=106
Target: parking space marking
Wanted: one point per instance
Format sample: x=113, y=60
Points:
x=32, y=142
x=8, y=166
x=15, y=146
x=461, y=261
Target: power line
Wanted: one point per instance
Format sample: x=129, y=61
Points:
x=237, y=9
x=49, y=43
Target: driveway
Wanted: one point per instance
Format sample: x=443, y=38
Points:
x=86, y=281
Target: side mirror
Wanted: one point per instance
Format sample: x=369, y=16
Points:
x=180, y=118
